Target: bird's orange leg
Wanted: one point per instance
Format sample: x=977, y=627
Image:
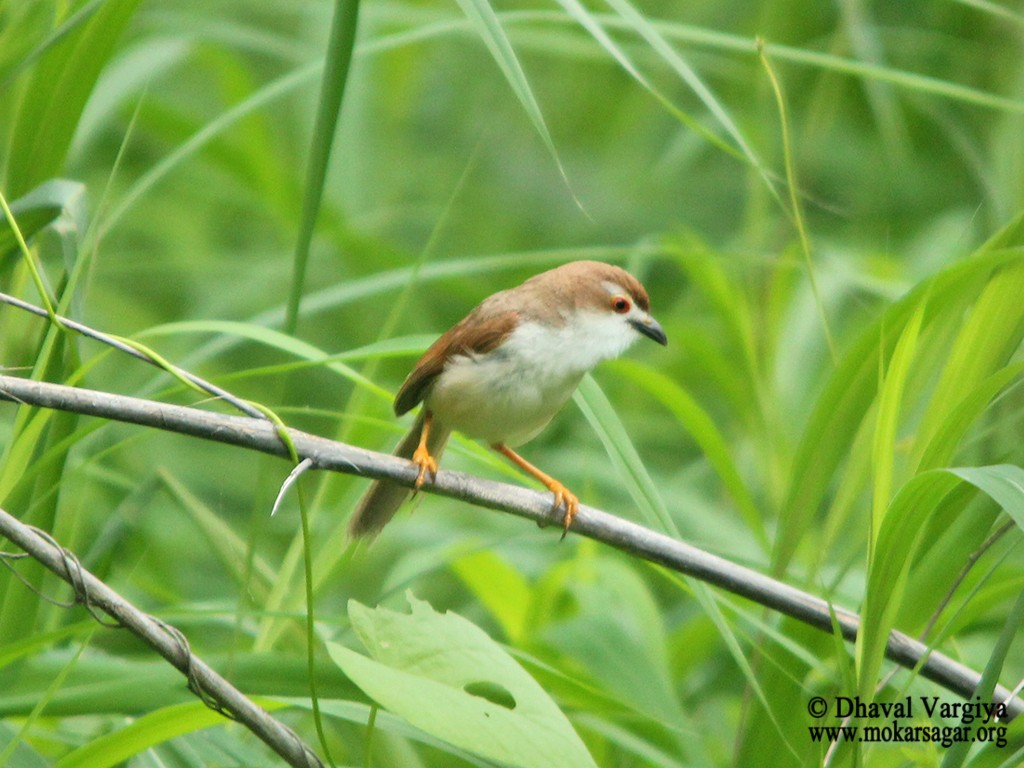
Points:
x=563, y=496
x=421, y=456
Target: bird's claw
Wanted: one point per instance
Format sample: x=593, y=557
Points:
x=421, y=458
x=564, y=498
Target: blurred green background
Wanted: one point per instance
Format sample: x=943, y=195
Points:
x=837, y=330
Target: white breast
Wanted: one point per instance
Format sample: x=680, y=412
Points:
x=508, y=395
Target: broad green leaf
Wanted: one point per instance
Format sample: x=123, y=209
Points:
x=448, y=678
x=360, y=713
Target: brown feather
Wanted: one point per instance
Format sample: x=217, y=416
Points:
x=479, y=332
x=382, y=499
x=550, y=298
x=579, y=284
x=546, y=297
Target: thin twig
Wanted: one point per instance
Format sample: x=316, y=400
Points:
x=263, y=436
x=169, y=642
x=123, y=346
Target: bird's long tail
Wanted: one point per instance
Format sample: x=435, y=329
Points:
x=383, y=498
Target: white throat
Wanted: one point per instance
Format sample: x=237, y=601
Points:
x=509, y=394
x=585, y=339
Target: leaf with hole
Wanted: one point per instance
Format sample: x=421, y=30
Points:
x=448, y=678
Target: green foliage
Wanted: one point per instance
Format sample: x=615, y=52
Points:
x=447, y=677
x=840, y=404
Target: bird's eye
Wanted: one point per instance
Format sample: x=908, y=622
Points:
x=620, y=304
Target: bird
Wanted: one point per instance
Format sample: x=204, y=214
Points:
x=501, y=373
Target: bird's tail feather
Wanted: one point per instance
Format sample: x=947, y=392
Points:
x=383, y=498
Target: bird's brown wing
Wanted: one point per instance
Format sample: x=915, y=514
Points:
x=479, y=332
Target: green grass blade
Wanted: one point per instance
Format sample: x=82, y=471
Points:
x=1003, y=483
x=989, y=336
x=271, y=339
x=923, y=499
x=146, y=732
x=44, y=700
x=332, y=91
x=927, y=503
x=701, y=427
x=67, y=25
x=500, y=588
x=590, y=22
x=937, y=445
x=60, y=83
x=615, y=438
x=853, y=385
x=36, y=210
x=650, y=34
x=158, y=171
x=796, y=210
x=488, y=26
x=957, y=754
x=887, y=422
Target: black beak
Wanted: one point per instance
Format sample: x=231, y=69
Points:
x=651, y=329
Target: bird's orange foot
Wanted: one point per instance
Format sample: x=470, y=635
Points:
x=421, y=458
x=564, y=498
